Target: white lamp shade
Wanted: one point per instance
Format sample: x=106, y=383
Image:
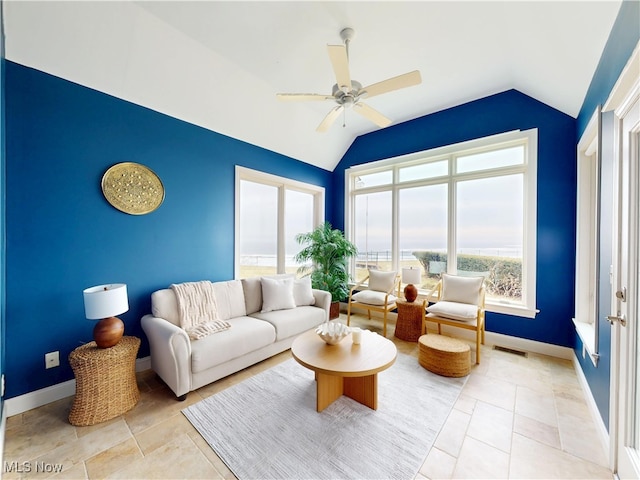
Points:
x=411, y=275
x=105, y=301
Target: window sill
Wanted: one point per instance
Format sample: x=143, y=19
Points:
x=587, y=334
x=516, y=310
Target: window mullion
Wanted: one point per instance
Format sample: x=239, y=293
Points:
x=452, y=256
x=281, y=250
x=395, y=234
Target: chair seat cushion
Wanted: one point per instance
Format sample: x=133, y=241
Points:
x=456, y=311
x=371, y=297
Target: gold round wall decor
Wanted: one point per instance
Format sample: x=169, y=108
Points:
x=132, y=188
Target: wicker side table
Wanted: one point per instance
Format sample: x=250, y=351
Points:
x=105, y=381
x=410, y=319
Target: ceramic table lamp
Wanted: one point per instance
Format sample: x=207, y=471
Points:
x=104, y=302
x=411, y=276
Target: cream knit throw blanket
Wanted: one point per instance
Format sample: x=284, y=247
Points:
x=197, y=309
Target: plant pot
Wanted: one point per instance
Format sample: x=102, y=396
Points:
x=334, y=310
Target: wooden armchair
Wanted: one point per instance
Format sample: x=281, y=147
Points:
x=377, y=296
x=460, y=303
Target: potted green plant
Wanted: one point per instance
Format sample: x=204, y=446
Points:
x=328, y=251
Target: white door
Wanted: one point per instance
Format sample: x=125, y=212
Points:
x=625, y=400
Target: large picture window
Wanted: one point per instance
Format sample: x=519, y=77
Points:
x=466, y=209
x=270, y=212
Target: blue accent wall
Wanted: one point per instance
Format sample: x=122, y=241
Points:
x=63, y=236
x=623, y=38
x=556, y=195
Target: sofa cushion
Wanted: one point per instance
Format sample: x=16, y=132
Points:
x=245, y=335
x=252, y=288
x=230, y=299
x=302, y=293
x=277, y=294
x=164, y=304
x=294, y=321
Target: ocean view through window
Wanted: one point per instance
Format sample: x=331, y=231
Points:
x=466, y=209
x=270, y=212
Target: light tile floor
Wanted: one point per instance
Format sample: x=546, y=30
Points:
x=515, y=418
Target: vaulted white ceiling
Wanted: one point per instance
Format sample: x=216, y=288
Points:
x=219, y=64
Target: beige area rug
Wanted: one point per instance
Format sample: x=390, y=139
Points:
x=267, y=427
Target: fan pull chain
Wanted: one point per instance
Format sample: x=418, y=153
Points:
x=344, y=118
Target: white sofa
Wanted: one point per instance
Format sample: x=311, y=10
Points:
x=255, y=334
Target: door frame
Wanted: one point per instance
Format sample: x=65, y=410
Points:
x=624, y=100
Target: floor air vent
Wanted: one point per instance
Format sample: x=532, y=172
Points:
x=511, y=350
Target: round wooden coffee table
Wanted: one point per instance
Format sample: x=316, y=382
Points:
x=345, y=368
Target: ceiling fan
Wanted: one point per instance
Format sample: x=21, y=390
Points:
x=348, y=93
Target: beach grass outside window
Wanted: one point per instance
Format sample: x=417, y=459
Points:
x=466, y=209
x=270, y=212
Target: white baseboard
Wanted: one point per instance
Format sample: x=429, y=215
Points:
x=3, y=428
x=522, y=344
x=28, y=401
x=601, y=428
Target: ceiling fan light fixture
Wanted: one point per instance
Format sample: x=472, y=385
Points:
x=348, y=101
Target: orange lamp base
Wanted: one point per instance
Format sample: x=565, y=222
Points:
x=108, y=332
x=410, y=292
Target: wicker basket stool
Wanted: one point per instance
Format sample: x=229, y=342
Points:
x=410, y=320
x=444, y=355
x=105, y=381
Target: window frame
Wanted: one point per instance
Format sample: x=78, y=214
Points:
x=587, y=296
x=282, y=184
x=528, y=138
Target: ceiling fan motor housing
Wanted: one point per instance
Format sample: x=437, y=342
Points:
x=347, y=98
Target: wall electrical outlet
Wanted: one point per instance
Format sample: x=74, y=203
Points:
x=52, y=359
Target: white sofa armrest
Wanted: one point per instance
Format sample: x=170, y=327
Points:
x=323, y=300
x=170, y=353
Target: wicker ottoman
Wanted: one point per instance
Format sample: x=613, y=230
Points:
x=105, y=381
x=444, y=355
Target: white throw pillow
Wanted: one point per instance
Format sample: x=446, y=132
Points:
x=372, y=298
x=229, y=299
x=277, y=294
x=302, y=293
x=454, y=310
x=381, y=281
x=461, y=289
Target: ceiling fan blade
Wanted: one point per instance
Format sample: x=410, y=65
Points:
x=340, y=63
x=329, y=119
x=302, y=97
x=391, y=84
x=371, y=114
